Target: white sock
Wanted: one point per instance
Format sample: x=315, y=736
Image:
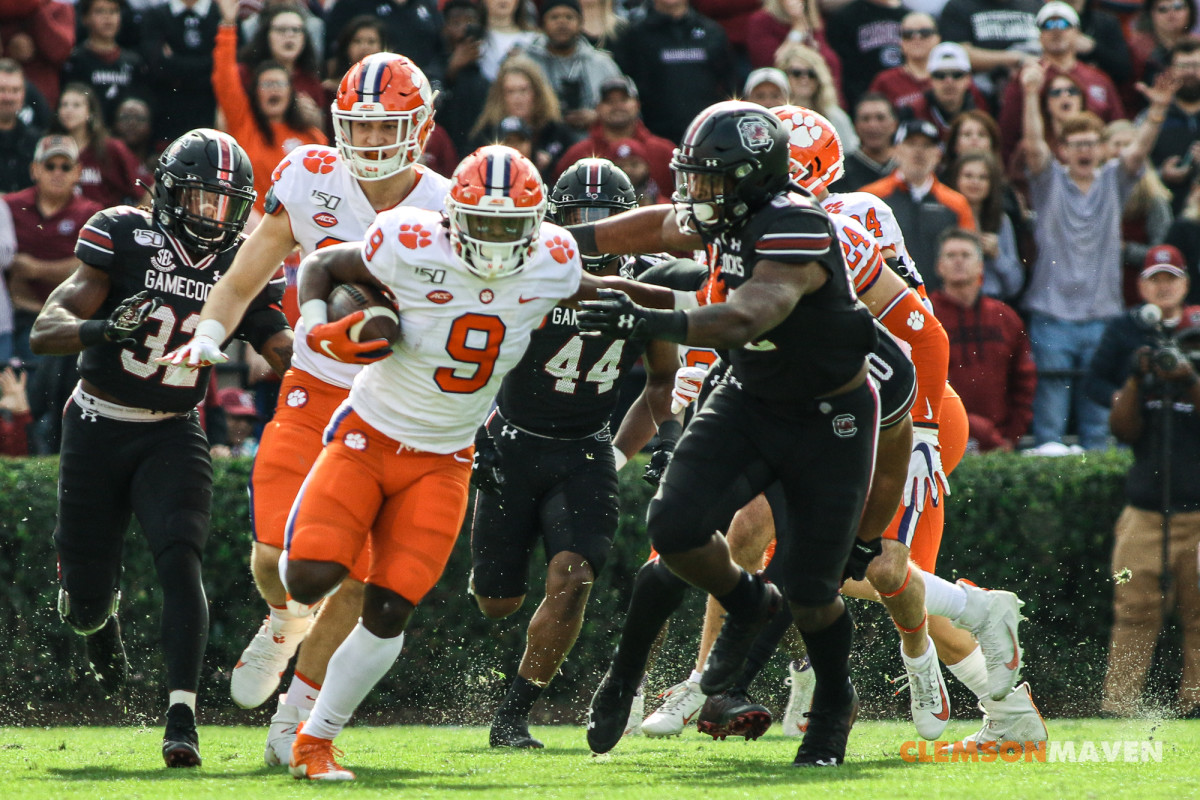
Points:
x=972, y=671
x=301, y=693
x=356, y=666
x=180, y=696
x=695, y=676
x=943, y=598
x=921, y=661
x=285, y=622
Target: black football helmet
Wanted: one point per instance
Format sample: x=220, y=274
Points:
x=733, y=159
x=591, y=189
x=203, y=190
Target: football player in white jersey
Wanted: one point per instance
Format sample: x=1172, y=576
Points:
x=320, y=196
x=396, y=466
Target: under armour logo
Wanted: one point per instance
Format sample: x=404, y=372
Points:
x=509, y=432
x=626, y=321
x=216, y=276
x=88, y=415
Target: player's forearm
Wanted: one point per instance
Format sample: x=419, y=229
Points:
x=56, y=332
x=642, y=230
x=277, y=352
x=637, y=428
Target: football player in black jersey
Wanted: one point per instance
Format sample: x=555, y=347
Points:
x=797, y=407
x=132, y=441
x=546, y=462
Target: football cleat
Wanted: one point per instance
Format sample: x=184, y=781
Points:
x=992, y=618
x=801, y=680
x=638, y=710
x=609, y=712
x=1015, y=720
x=256, y=674
x=728, y=652
x=512, y=732
x=733, y=713
x=106, y=657
x=181, y=743
x=829, y=724
x=316, y=759
x=282, y=733
x=928, y=699
x=680, y=705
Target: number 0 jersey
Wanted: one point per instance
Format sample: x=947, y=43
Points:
x=326, y=205
x=460, y=334
x=137, y=255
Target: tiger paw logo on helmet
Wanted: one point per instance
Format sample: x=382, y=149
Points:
x=414, y=236
x=560, y=249
x=805, y=131
x=319, y=163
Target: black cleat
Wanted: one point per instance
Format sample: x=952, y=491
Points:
x=733, y=713
x=181, y=743
x=824, y=743
x=728, y=652
x=512, y=732
x=106, y=657
x=609, y=712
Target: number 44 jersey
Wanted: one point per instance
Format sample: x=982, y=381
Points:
x=459, y=333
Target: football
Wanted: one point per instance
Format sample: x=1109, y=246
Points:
x=381, y=322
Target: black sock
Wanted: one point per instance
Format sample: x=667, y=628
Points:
x=764, y=647
x=829, y=654
x=657, y=592
x=744, y=597
x=519, y=701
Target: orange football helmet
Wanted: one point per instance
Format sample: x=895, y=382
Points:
x=814, y=147
x=496, y=205
x=383, y=87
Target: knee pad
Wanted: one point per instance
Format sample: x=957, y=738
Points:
x=86, y=616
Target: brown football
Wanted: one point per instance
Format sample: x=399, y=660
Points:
x=382, y=321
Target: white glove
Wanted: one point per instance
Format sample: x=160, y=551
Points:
x=926, y=478
x=201, y=351
x=688, y=381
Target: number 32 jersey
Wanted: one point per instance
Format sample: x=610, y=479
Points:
x=460, y=334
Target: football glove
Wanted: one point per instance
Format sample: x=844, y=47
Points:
x=926, y=479
x=201, y=351
x=861, y=556
x=688, y=382
x=487, y=473
x=124, y=321
x=333, y=339
x=614, y=315
x=668, y=435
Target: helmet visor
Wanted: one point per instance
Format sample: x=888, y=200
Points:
x=210, y=214
x=577, y=215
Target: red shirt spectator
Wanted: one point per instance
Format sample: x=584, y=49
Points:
x=732, y=15
x=782, y=20
x=40, y=36
x=15, y=415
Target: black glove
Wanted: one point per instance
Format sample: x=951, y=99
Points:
x=860, y=557
x=486, y=472
x=668, y=435
x=124, y=321
x=617, y=317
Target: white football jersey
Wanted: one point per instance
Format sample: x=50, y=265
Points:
x=459, y=334
x=327, y=206
x=873, y=214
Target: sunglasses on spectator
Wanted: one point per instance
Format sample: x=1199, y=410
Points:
x=948, y=75
x=1064, y=91
x=295, y=29
x=1056, y=24
x=1167, y=7
x=797, y=72
x=918, y=33
x=58, y=166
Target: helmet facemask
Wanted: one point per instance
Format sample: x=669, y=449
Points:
x=705, y=200
x=494, y=242
x=404, y=147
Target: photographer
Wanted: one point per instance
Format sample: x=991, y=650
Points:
x=1146, y=368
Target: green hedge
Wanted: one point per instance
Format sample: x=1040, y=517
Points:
x=1040, y=527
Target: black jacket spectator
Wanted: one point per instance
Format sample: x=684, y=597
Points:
x=115, y=76
x=412, y=28
x=177, y=45
x=866, y=36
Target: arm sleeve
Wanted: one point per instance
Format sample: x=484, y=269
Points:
x=265, y=317
x=907, y=318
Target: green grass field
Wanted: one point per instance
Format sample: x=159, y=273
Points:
x=449, y=762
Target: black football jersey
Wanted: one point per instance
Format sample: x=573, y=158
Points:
x=139, y=256
x=822, y=343
x=566, y=383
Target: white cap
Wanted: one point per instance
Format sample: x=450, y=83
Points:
x=1057, y=9
x=765, y=75
x=948, y=55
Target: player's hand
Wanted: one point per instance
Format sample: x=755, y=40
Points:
x=926, y=479
x=487, y=473
x=612, y=314
x=129, y=316
x=688, y=382
x=333, y=339
x=669, y=432
x=201, y=351
x=861, y=556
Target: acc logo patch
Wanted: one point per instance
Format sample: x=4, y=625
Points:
x=297, y=398
x=325, y=219
x=148, y=238
x=487, y=296
x=414, y=236
x=319, y=163
x=755, y=133
x=439, y=296
x=844, y=426
x=355, y=440
x=163, y=260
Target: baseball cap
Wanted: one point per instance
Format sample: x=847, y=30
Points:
x=1056, y=9
x=514, y=126
x=767, y=75
x=549, y=4
x=1164, y=258
x=948, y=55
x=237, y=402
x=56, y=145
x=622, y=83
x=917, y=127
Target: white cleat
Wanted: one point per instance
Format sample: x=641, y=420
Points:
x=638, y=710
x=256, y=674
x=1014, y=721
x=928, y=698
x=802, y=681
x=992, y=618
x=680, y=705
x=282, y=733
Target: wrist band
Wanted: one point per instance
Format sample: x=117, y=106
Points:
x=212, y=329
x=314, y=312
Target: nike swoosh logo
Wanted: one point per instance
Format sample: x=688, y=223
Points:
x=527, y=299
x=945, y=715
x=1016, y=659
x=328, y=352
x=689, y=717
x=928, y=409
x=461, y=460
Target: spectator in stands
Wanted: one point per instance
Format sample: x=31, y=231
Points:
x=768, y=87
x=1075, y=285
x=1146, y=217
x=178, y=39
x=47, y=218
x=412, y=27
x=1101, y=42
x=575, y=69
x=41, y=43
x=113, y=72
x=780, y=21
x=875, y=126
x=506, y=27
x=812, y=87
x=1184, y=234
x=521, y=90
x=8, y=249
x=134, y=126
x=1161, y=25
x=1058, y=27
x=1124, y=375
x=1176, y=153
x=110, y=173
x=990, y=364
x=977, y=177
x=18, y=139
x=998, y=35
x=866, y=36
x=464, y=86
x=951, y=90
x=362, y=36
x=631, y=156
x=15, y=416
x=618, y=118
x=904, y=84
x=267, y=121
x=923, y=205
x=241, y=416
x=601, y=24
x=314, y=26
x=680, y=60
x=282, y=39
